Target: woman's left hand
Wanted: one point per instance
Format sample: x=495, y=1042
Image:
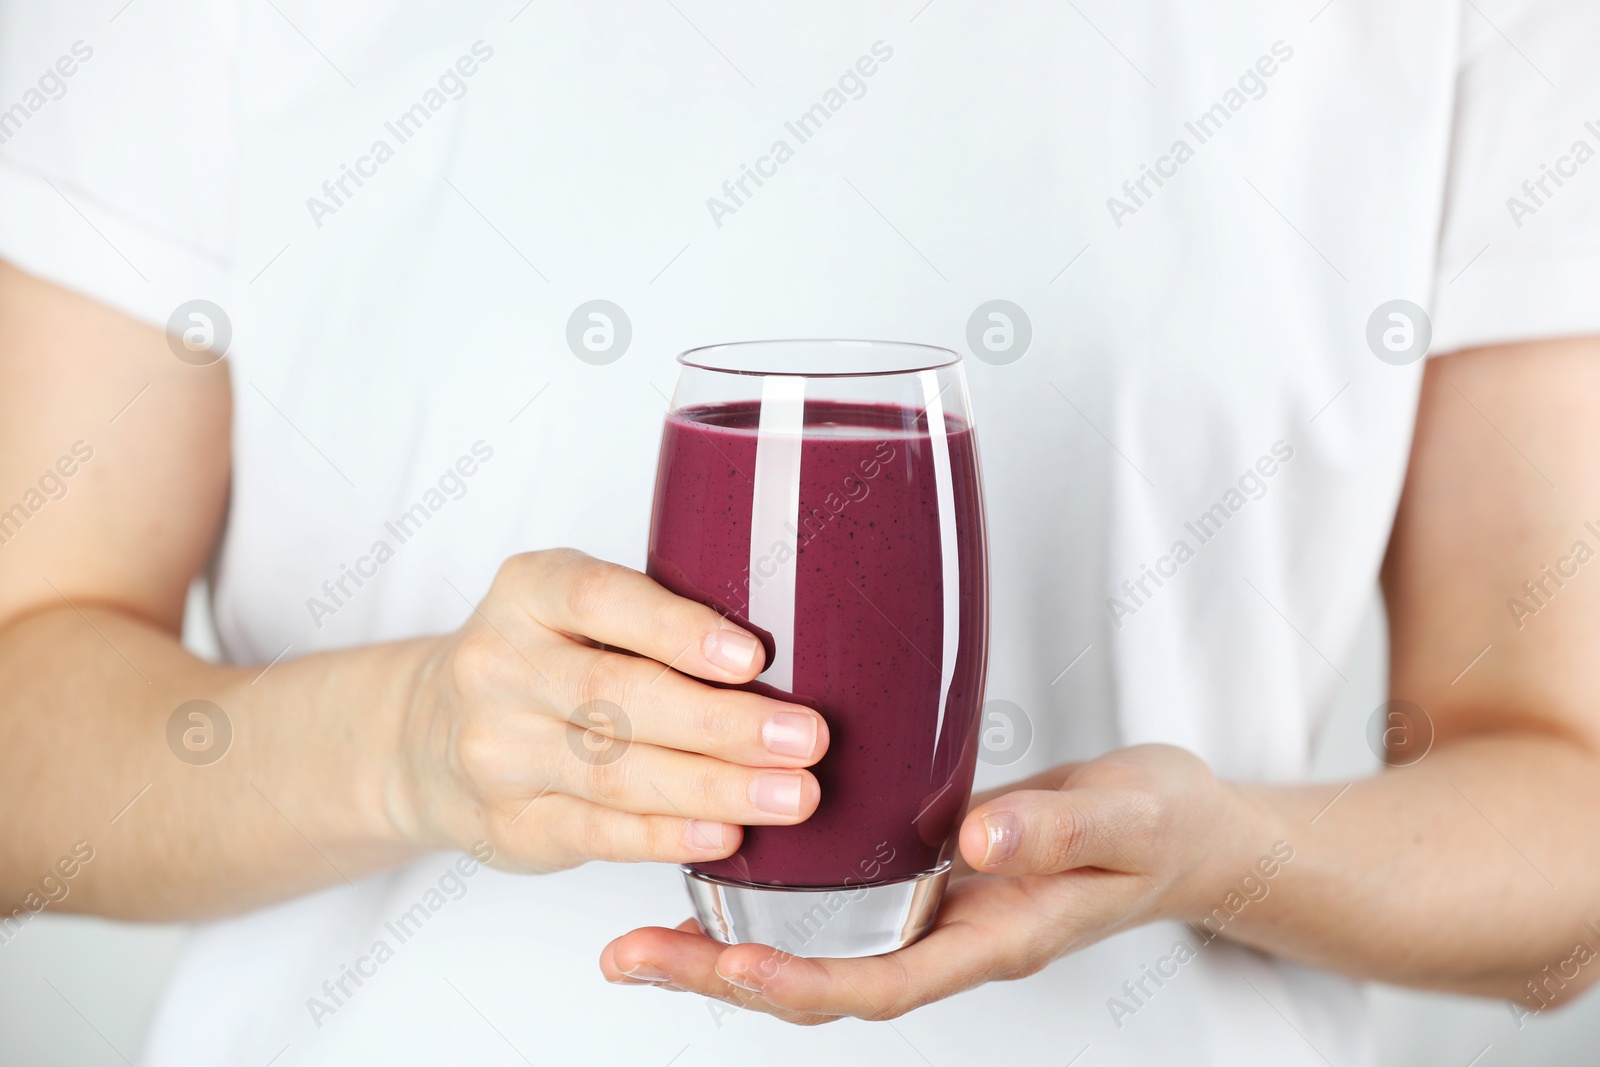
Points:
x=1058, y=862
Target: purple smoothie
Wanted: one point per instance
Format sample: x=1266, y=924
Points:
x=869, y=623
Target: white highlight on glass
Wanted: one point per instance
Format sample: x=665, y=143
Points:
x=773, y=516
x=949, y=553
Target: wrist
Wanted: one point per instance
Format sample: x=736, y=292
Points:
x=398, y=797
x=360, y=701
x=1248, y=844
x=316, y=738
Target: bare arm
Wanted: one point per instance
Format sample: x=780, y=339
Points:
x=1474, y=868
x=91, y=600
x=341, y=763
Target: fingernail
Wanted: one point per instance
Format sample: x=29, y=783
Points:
x=776, y=793
x=749, y=983
x=644, y=972
x=732, y=650
x=704, y=835
x=1005, y=834
x=790, y=733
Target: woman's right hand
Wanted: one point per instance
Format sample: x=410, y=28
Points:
x=523, y=732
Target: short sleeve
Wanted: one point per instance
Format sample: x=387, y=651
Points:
x=1519, y=252
x=117, y=149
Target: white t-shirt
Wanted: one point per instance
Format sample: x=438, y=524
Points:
x=1198, y=212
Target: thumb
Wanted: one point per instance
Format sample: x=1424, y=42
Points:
x=1044, y=831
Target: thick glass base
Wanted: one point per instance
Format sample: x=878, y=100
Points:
x=838, y=923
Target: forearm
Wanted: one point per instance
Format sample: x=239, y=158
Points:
x=1469, y=872
x=295, y=803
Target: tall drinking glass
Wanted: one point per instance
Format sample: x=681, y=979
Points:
x=824, y=495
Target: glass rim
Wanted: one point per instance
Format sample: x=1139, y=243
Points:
x=930, y=357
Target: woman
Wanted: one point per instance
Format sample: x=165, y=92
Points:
x=1224, y=244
